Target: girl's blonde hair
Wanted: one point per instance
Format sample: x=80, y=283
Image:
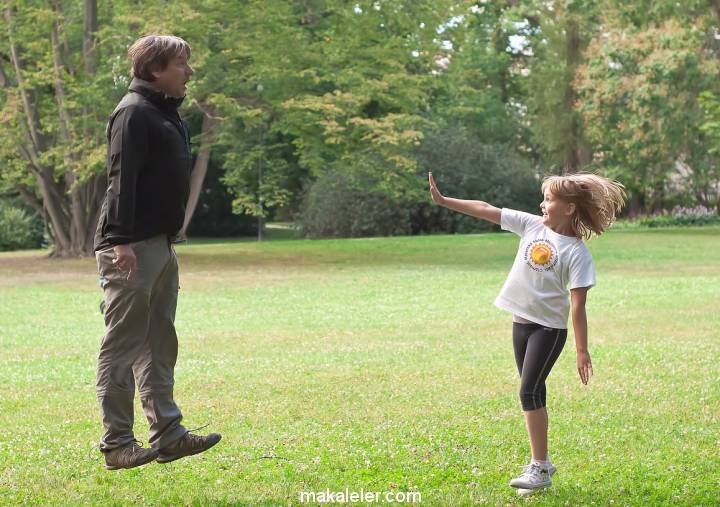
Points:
x=597, y=200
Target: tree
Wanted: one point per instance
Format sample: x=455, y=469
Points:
x=318, y=86
x=51, y=153
x=558, y=44
x=62, y=81
x=639, y=97
x=477, y=84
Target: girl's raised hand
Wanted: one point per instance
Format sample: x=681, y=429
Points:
x=435, y=194
x=584, y=366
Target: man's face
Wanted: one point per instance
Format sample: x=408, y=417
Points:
x=172, y=79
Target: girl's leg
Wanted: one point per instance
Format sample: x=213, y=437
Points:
x=540, y=347
x=536, y=422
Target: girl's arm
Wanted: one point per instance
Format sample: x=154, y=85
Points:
x=578, y=297
x=478, y=209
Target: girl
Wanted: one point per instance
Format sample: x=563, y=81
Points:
x=551, y=257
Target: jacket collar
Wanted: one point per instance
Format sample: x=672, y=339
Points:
x=157, y=97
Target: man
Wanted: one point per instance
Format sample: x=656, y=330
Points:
x=148, y=186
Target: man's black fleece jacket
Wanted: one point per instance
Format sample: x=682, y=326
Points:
x=148, y=166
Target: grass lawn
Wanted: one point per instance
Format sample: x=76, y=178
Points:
x=376, y=364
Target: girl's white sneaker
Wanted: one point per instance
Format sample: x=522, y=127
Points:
x=551, y=469
x=534, y=477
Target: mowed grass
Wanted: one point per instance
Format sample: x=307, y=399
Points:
x=376, y=364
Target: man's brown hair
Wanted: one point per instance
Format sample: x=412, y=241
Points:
x=153, y=53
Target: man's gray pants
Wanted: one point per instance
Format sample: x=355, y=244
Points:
x=140, y=345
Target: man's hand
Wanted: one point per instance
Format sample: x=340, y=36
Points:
x=125, y=259
x=437, y=197
x=584, y=366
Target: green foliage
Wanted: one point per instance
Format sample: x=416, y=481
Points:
x=558, y=47
x=639, y=95
x=465, y=168
x=86, y=100
x=354, y=203
x=298, y=90
x=678, y=217
x=678, y=220
x=475, y=83
x=214, y=215
x=19, y=229
x=336, y=205
x=711, y=124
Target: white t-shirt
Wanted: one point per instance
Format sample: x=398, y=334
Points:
x=547, y=263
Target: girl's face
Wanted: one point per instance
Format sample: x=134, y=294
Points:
x=557, y=214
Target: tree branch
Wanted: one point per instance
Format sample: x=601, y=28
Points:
x=29, y=197
x=29, y=107
x=200, y=169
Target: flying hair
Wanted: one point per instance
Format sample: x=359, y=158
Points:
x=597, y=200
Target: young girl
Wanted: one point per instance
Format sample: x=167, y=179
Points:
x=551, y=257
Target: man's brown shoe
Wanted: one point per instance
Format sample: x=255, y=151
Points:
x=129, y=456
x=187, y=445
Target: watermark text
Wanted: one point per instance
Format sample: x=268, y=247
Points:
x=346, y=495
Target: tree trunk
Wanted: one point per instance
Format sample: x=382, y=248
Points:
x=52, y=196
x=573, y=54
x=636, y=205
x=77, y=220
x=4, y=81
x=89, y=29
x=68, y=206
x=33, y=123
x=200, y=168
x=715, y=6
x=94, y=188
x=500, y=43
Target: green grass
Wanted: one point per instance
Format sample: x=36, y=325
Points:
x=378, y=364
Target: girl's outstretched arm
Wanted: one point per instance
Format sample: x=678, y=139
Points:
x=478, y=209
x=579, y=317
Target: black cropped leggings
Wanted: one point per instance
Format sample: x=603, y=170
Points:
x=536, y=349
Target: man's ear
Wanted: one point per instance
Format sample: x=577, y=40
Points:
x=155, y=71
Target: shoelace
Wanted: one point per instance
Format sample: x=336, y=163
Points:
x=201, y=427
x=191, y=439
x=533, y=470
x=137, y=443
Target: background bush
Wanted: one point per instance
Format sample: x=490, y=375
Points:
x=347, y=205
x=466, y=168
x=678, y=217
x=337, y=205
x=213, y=215
x=679, y=220
x=20, y=228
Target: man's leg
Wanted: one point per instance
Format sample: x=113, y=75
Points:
x=155, y=368
x=154, y=373
x=126, y=322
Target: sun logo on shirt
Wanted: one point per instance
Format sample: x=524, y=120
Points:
x=541, y=255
